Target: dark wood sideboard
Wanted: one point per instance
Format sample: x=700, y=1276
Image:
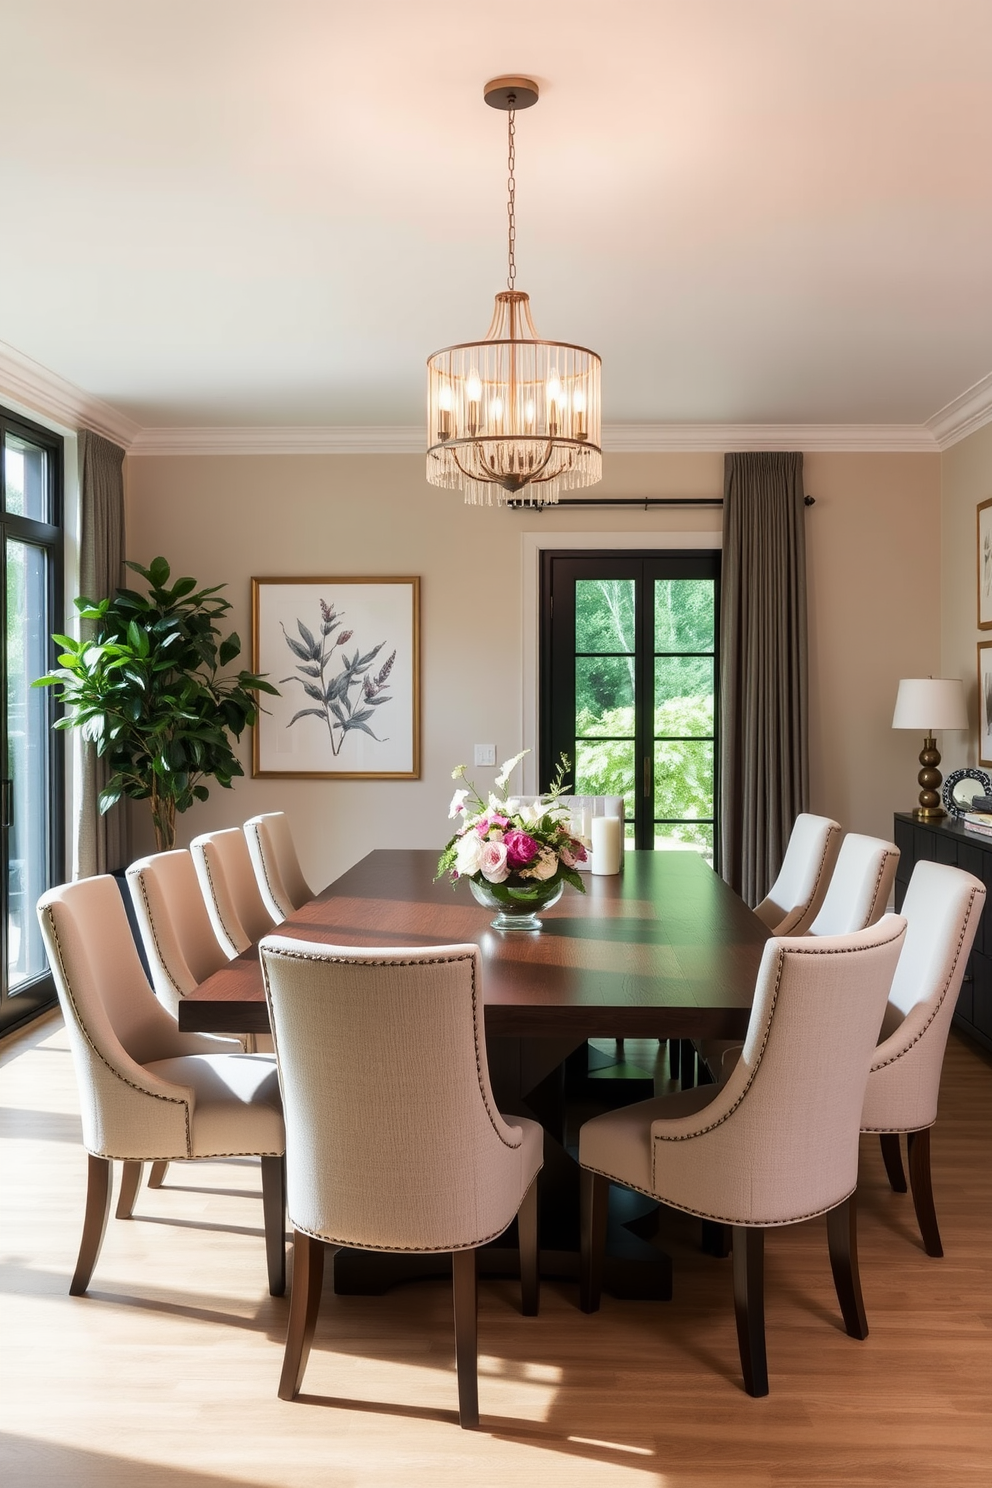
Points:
x=946, y=841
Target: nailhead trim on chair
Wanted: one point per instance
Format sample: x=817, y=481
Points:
x=216, y=902
x=816, y=884
x=151, y=922
x=256, y=833
x=878, y=884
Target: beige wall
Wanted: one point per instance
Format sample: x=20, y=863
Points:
x=966, y=480
x=874, y=610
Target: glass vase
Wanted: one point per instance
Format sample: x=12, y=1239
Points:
x=517, y=914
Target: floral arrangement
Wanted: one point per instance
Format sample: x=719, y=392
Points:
x=519, y=851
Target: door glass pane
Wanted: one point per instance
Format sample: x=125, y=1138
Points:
x=683, y=688
x=28, y=759
x=604, y=615
x=684, y=615
x=606, y=768
x=26, y=478
x=604, y=696
x=683, y=788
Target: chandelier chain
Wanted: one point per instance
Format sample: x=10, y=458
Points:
x=511, y=235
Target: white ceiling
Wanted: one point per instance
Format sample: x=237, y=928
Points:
x=268, y=212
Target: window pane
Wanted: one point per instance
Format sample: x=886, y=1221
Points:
x=26, y=479
x=604, y=615
x=28, y=758
x=606, y=769
x=684, y=615
x=683, y=694
x=683, y=779
x=684, y=836
x=604, y=696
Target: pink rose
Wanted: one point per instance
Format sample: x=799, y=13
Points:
x=492, y=862
x=519, y=847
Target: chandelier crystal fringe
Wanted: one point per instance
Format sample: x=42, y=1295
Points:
x=513, y=417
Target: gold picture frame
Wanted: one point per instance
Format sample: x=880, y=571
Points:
x=344, y=653
x=985, y=565
x=985, y=702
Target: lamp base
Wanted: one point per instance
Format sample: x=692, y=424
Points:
x=928, y=813
x=929, y=780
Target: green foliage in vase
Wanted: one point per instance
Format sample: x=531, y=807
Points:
x=144, y=687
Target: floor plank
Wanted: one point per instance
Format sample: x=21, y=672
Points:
x=165, y=1375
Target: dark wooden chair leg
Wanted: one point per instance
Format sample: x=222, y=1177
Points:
x=687, y=1063
x=892, y=1158
x=274, y=1214
x=594, y=1191
x=308, y=1277
x=465, y=1294
x=918, y=1145
x=99, y=1171
x=157, y=1175
x=749, y=1306
x=842, y=1240
x=130, y=1183
x=715, y=1239
x=530, y=1280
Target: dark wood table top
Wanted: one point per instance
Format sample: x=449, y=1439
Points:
x=662, y=950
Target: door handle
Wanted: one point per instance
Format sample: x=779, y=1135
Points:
x=6, y=803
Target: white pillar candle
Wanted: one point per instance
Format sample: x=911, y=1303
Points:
x=605, y=844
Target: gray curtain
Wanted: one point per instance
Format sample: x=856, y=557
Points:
x=764, y=681
x=101, y=842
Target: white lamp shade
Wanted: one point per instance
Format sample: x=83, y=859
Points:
x=928, y=703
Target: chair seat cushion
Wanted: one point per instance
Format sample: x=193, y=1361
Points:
x=618, y=1143
x=237, y=1109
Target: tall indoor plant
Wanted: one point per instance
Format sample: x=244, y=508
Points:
x=144, y=688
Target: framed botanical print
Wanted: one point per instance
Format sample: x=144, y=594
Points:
x=345, y=656
x=985, y=565
x=985, y=702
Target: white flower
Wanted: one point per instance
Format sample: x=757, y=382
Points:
x=530, y=815
x=509, y=767
x=544, y=866
x=492, y=862
x=458, y=773
x=468, y=854
x=457, y=803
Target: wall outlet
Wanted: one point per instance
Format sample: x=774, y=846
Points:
x=485, y=754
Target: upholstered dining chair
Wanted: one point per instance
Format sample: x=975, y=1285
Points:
x=230, y=890
x=778, y=1143
x=381, y=1153
x=792, y=902
x=180, y=945
x=942, y=907
x=277, y=867
x=147, y=1091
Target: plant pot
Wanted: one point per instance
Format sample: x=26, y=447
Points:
x=517, y=914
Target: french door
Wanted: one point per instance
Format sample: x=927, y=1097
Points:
x=31, y=791
x=629, y=687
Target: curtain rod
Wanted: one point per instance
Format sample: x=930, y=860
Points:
x=643, y=502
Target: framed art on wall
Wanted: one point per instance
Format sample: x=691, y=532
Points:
x=345, y=656
x=985, y=702
x=985, y=565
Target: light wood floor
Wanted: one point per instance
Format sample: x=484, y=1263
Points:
x=165, y=1375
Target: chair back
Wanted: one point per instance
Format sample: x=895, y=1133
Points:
x=230, y=889
x=179, y=940
x=393, y=1139
x=792, y=902
x=115, y=1025
x=277, y=867
x=859, y=886
x=779, y=1141
x=943, y=907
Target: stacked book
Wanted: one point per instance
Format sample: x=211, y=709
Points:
x=979, y=818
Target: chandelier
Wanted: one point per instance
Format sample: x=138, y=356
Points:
x=512, y=417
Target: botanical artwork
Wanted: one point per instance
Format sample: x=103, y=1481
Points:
x=344, y=655
x=985, y=565
x=985, y=702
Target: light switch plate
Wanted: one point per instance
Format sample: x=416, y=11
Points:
x=485, y=754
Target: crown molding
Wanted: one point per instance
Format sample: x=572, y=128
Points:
x=400, y=439
x=963, y=415
x=49, y=396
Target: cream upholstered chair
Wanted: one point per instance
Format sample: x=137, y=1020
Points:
x=146, y=1090
x=277, y=867
x=180, y=945
x=859, y=885
x=793, y=900
x=230, y=890
x=942, y=908
x=778, y=1143
x=383, y=1154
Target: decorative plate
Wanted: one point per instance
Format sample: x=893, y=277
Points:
x=961, y=787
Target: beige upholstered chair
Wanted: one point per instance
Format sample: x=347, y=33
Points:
x=793, y=900
x=180, y=945
x=277, y=868
x=146, y=1090
x=230, y=890
x=942, y=908
x=778, y=1143
x=382, y=1153
x=859, y=886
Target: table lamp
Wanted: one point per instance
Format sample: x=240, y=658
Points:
x=930, y=703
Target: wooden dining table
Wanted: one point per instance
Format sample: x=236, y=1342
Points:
x=665, y=949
